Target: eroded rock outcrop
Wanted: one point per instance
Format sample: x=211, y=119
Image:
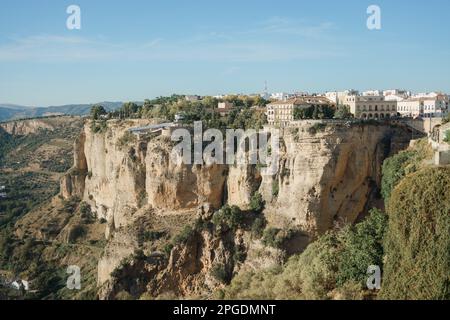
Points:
x=73, y=183
x=327, y=174
x=178, y=186
x=32, y=126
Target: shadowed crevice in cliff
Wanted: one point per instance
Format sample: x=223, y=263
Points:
x=331, y=176
x=352, y=181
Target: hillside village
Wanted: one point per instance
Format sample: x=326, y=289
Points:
x=424, y=113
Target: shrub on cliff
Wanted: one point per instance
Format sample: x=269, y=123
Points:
x=310, y=275
x=270, y=239
x=258, y=227
x=75, y=233
x=394, y=169
x=334, y=265
x=417, y=241
x=447, y=136
x=184, y=235
x=228, y=217
x=398, y=166
x=363, y=247
x=220, y=273
x=127, y=139
x=257, y=202
x=99, y=126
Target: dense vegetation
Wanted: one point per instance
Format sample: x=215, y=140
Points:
x=317, y=112
x=243, y=115
x=335, y=264
x=343, y=112
x=6, y=143
x=37, y=162
x=402, y=164
x=39, y=259
x=418, y=243
x=314, y=112
x=410, y=243
x=25, y=191
x=18, y=152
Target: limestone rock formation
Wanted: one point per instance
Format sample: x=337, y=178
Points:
x=327, y=174
x=26, y=127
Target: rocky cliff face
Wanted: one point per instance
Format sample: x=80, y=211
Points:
x=329, y=176
x=117, y=177
x=26, y=127
x=326, y=175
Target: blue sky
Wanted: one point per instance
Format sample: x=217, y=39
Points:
x=137, y=49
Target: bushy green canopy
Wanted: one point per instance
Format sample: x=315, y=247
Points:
x=418, y=238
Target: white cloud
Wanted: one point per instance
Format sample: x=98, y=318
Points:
x=289, y=27
x=258, y=44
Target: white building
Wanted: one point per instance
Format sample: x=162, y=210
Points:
x=426, y=95
x=281, y=96
x=396, y=95
x=412, y=107
x=338, y=97
x=397, y=92
x=434, y=105
x=225, y=108
x=371, y=107
x=376, y=93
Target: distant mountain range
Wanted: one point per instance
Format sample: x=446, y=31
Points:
x=12, y=111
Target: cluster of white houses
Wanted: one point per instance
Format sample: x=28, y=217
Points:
x=374, y=104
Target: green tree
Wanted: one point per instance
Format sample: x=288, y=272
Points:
x=228, y=217
x=447, y=136
x=417, y=244
x=129, y=108
x=343, y=112
x=97, y=111
x=394, y=169
x=257, y=202
x=315, y=112
x=363, y=247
